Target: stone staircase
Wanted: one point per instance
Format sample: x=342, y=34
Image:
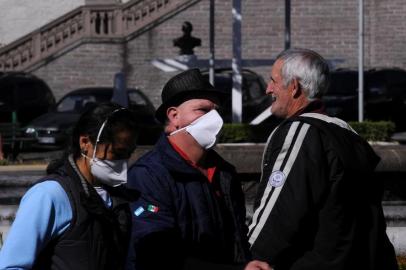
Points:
x=97, y=23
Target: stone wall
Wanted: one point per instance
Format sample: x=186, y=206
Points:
x=329, y=27
x=87, y=65
x=388, y=33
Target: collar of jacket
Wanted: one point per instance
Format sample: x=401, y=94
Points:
x=315, y=106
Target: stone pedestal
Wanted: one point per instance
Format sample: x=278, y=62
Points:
x=15, y=180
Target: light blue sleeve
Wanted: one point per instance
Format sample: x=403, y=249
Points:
x=44, y=213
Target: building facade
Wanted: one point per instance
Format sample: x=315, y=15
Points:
x=330, y=27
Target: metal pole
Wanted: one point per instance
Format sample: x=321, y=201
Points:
x=120, y=95
x=360, y=62
x=212, y=32
x=287, y=24
x=236, y=64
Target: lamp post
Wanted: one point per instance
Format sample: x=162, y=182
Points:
x=287, y=24
x=212, y=57
x=360, y=61
x=236, y=64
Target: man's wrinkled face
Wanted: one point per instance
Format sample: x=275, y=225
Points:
x=190, y=110
x=281, y=95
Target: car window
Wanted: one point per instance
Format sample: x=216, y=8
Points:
x=343, y=83
x=75, y=103
x=255, y=89
x=254, y=98
x=396, y=76
x=78, y=102
x=30, y=93
x=24, y=94
x=137, y=99
x=223, y=82
x=396, y=82
x=376, y=84
x=6, y=102
x=6, y=97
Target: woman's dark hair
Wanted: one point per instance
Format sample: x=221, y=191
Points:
x=117, y=119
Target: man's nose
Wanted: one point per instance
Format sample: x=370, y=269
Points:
x=269, y=89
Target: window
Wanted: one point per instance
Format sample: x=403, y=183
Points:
x=343, y=83
x=75, y=103
x=136, y=99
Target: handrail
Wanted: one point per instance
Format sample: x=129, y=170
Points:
x=94, y=21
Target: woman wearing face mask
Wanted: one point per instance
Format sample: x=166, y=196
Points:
x=77, y=217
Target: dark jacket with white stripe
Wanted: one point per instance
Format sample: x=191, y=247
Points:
x=181, y=220
x=318, y=204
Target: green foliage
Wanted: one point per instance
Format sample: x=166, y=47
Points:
x=238, y=133
x=401, y=262
x=235, y=133
x=374, y=131
x=4, y=162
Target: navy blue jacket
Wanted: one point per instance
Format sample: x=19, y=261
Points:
x=180, y=216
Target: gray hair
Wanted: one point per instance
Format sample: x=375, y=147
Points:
x=308, y=67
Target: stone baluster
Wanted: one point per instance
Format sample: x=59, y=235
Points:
x=93, y=31
x=118, y=22
x=107, y=20
x=104, y=22
x=110, y=23
x=88, y=23
x=36, y=47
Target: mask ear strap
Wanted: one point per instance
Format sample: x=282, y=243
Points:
x=102, y=128
x=194, y=122
x=177, y=131
x=98, y=136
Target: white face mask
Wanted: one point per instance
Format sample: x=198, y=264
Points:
x=109, y=172
x=205, y=129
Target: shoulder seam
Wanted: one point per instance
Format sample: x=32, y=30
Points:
x=331, y=120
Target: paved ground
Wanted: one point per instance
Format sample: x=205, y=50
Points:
x=23, y=167
x=31, y=161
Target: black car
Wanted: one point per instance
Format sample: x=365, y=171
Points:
x=341, y=99
x=23, y=97
x=384, y=95
x=254, y=98
x=53, y=129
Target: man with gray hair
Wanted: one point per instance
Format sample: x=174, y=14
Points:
x=318, y=206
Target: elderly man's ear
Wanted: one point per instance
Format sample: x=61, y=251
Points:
x=296, y=88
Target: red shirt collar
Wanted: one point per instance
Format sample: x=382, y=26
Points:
x=209, y=171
